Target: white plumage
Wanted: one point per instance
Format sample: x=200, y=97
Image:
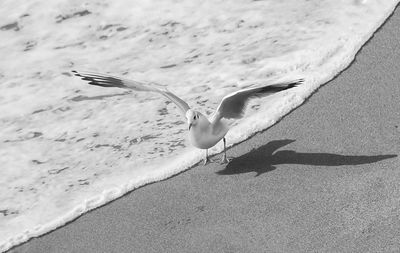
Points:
x=203, y=133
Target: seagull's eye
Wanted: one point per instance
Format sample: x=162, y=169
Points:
x=194, y=117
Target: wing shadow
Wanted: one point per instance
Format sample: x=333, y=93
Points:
x=83, y=98
x=263, y=159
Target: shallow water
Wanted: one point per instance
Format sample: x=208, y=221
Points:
x=67, y=147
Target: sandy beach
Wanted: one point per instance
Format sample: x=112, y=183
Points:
x=324, y=179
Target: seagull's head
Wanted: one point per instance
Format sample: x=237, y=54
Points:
x=192, y=118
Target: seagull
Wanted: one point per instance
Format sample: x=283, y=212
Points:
x=204, y=133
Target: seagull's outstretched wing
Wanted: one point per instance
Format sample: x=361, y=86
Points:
x=105, y=80
x=233, y=105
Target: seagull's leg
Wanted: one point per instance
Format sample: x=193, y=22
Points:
x=224, y=159
x=206, y=158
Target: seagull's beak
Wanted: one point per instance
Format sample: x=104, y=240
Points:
x=190, y=125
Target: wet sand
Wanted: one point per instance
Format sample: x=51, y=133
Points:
x=326, y=178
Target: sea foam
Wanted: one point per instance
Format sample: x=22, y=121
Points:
x=67, y=147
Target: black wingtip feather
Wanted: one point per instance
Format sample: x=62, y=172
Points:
x=294, y=84
x=281, y=87
x=100, y=80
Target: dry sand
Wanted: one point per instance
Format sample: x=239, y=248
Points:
x=324, y=179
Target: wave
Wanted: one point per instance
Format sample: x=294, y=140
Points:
x=67, y=147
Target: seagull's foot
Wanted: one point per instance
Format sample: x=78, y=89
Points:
x=225, y=160
x=205, y=161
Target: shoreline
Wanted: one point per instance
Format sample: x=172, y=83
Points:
x=334, y=144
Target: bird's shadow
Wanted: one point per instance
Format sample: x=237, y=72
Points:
x=265, y=158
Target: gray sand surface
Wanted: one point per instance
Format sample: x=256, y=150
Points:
x=324, y=179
